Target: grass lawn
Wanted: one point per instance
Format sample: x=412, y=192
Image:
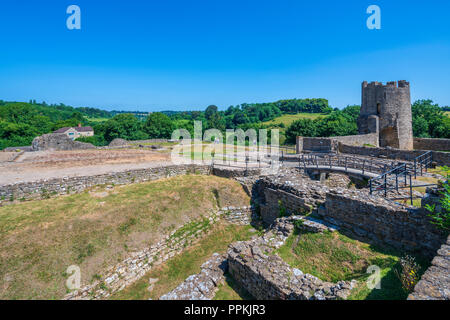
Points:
x=287, y=119
x=177, y=269
x=97, y=119
x=39, y=240
x=333, y=257
x=447, y=113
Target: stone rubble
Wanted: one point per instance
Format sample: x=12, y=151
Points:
x=266, y=276
x=204, y=285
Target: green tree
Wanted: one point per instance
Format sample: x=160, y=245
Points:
x=159, y=126
x=301, y=127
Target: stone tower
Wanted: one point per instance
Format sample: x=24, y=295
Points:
x=386, y=109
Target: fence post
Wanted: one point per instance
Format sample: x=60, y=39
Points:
x=415, y=168
x=396, y=181
x=410, y=190
x=385, y=185
x=370, y=186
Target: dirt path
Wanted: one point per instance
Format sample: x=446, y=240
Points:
x=34, y=166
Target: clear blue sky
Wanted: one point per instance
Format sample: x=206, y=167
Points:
x=173, y=54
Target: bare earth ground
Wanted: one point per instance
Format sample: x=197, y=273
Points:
x=40, y=165
x=33, y=166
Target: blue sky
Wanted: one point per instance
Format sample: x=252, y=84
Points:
x=172, y=54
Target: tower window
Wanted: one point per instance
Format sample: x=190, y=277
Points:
x=378, y=108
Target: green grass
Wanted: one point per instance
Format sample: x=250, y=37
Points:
x=447, y=113
x=96, y=119
x=334, y=257
x=177, y=269
x=230, y=290
x=287, y=119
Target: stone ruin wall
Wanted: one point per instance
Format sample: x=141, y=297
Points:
x=53, y=187
x=432, y=144
x=441, y=158
x=435, y=282
x=331, y=144
x=255, y=266
x=58, y=141
x=131, y=269
x=358, y=214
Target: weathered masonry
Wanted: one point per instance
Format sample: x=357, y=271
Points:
x=386, y=110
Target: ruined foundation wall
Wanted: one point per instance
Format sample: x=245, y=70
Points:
x=435, y=283
x=382, y=222
x=53, y=187
x=432, y=144
x=368, y=218
x=441, y=158
x=330, y=144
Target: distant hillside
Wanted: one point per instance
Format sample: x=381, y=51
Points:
x=21, y=122
x=62, y=111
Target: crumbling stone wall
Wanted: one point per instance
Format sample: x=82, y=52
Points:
x=139, y=263
x=289, y=193
x=379, y=221
x=266, y=276
x=58, y=141
x=53, y=187
x=331, y=144
x=441, y=158
x=204, y=285
x=435, y=282
x=432, y=144
x=357, y=213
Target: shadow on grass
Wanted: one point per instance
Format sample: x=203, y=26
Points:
x=238, y=290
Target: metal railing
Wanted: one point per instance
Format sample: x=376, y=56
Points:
x=400, y=177
x=321, y=161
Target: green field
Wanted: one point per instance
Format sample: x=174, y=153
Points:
x=447, y=113
x=287, y=119
x=96, y=119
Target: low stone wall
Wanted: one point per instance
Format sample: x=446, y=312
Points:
x=227, y=172
x=47, y=188
x=289, y=195
x=441, y=158
x=139, y=263
x=255, y=267
x=379, y=221
x=58, y=141
x=330, y=144
x=204, y=285
x=435, y=282
x=238, y=216
x=132, y=269
x=368, y=218
x=432, y=144
x=359, y=140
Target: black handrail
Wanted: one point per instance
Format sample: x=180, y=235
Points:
x=380, y=183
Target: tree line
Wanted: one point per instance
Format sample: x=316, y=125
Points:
x=21, y=122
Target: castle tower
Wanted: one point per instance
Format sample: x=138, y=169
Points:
x=386, y=109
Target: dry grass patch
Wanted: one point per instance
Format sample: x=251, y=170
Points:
x=40, y=239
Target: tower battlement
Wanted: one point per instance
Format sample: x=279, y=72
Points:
x=395, y=84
